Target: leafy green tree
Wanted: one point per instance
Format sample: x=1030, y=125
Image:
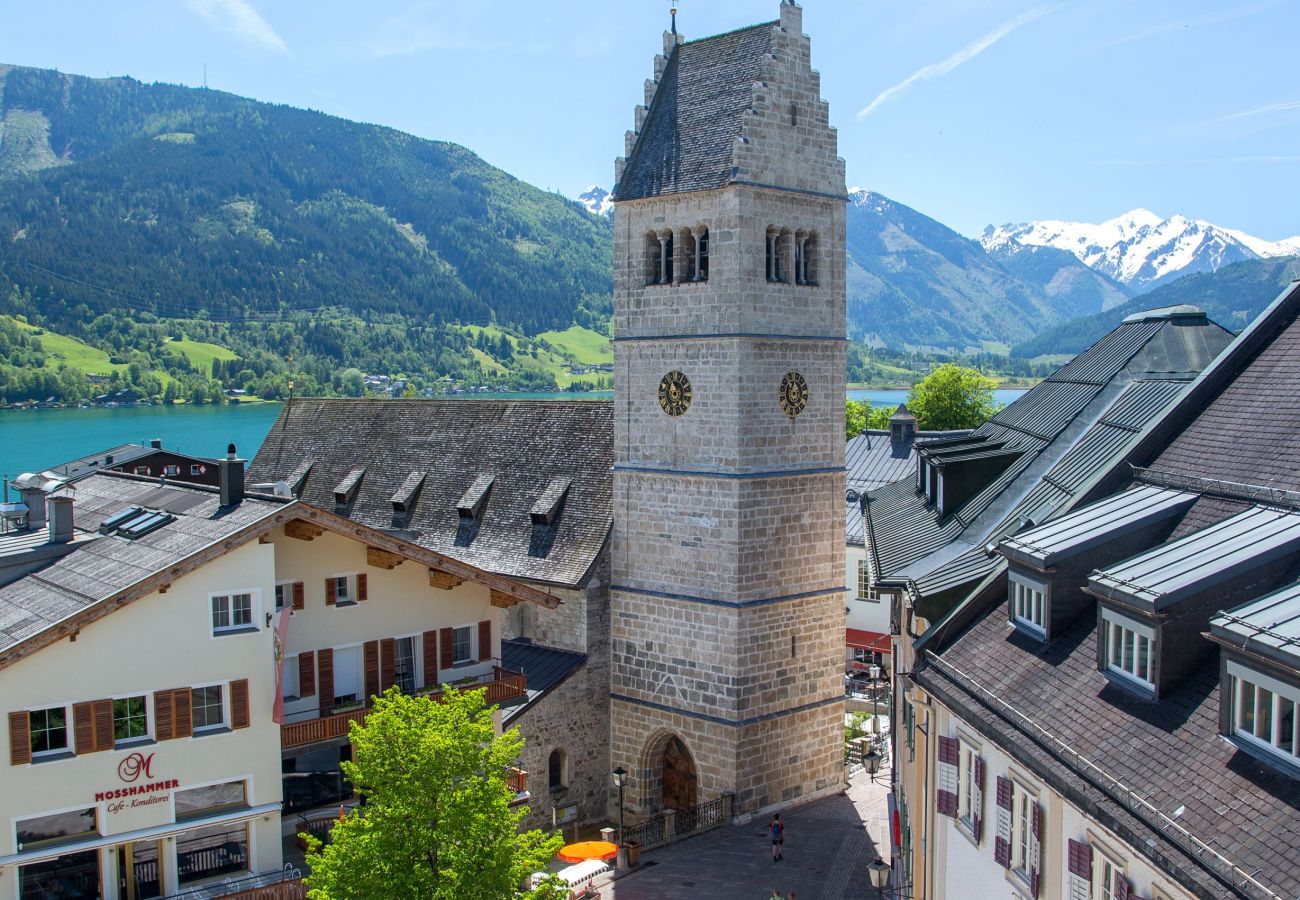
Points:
x=952, y=397
x=437, y=821
x=855, y=419
x=878, y=417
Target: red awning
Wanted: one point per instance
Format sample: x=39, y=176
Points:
x=867, y=640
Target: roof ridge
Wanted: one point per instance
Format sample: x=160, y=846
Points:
x=713, y=37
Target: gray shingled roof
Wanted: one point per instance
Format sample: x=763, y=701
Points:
x=524, y=446
x=687, y=138
x=1073, y=424
x=103, y=566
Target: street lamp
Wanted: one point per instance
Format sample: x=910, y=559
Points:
x=874, y=671
x=871, y=762
x=878, y=872
x=619, y=775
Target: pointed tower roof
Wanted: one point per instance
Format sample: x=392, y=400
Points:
x=902, y=414
x=688, y=137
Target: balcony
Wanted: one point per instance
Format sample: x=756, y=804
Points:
x=500, y=685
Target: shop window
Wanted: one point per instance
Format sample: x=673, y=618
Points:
x=49, y=730
x=210, y=799
x=130, y=719
x=209, y=852
x=207, y=710
x=73, y=875
x=232, y=613
x=57, y=828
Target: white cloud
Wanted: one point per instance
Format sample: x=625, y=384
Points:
x=1214, y=161
x=1263, y=110
x=964, y=55
x=1184, y=24
x=241, y=19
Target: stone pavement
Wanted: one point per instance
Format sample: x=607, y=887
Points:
x=827, y=847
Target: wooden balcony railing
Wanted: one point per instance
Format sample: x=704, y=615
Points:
x=517, y=779
x=499, y=686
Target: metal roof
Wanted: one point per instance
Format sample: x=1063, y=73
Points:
x=545, y=667
x=1268, y=626
x=1087, y=527
x=1155, y=580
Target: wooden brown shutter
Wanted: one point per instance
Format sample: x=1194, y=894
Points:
x=299, y=595
x=307, y=674
x=1034, y=863
x=164, y=717
x=20, y=739
x=1002, y=840
x=372, y=668
x=325, y=679
x=430, y=658
x=949, y=756
x=362, y=590
x=387, y=663
x=1123, y=890
x=331, y=592
x=447, y=647
x=183, y=708
x=239, y=703
x=102, y=712
x=484, y=641
x=977, y=799
x=83, y=724
x=1079, y=861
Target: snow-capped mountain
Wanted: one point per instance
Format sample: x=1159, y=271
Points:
x=1140, y=249
x=597, y=199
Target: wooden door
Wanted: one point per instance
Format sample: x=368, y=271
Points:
x=679, y=776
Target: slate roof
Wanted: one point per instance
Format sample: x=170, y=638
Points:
x=103, y=566
x=523, y=445
x=687, y=138
x=1070, y=426
x=546, y=668
x=874, y=460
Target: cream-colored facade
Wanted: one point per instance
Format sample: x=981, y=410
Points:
x=157, y=643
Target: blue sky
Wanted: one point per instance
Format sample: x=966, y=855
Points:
x=971, y=111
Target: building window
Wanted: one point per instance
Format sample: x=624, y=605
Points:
x=196, y=469
x=208, y=852
x=71, y=875
x=206, y=708
x=1027, y=602
x=282, y=595
x=343, y=591
x=404, y=664
x=1107, y=877
x=463, y=644
x=231, y=612
x=556, y=769
x=970, y=792
x=289, y=679
x=49, y=730
x=171, y=470
x=1019, y=832
x=130, y=719
x=1129, y=650
x=702, y=255
x=1263, y=711
x=865, y=589
x=659, y=256
x=1022, y=826
x=58, y=828
x=212, y=798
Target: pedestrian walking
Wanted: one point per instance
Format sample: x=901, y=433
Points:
x=778, y=837
x=776, y=895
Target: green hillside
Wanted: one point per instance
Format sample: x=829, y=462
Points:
x=135, y=216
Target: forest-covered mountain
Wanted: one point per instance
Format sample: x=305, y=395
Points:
x=1232, y=296
x=179, y=203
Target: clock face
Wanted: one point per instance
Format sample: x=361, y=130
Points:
x=675, y=393
x=794, y=394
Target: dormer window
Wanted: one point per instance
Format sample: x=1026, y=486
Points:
x=1129, y=649
x=1028, y=604
x=1263, y=712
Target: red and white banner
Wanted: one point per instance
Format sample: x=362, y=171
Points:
x=281, y=629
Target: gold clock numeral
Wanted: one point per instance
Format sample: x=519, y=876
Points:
x=794, y=394
x=674, y=393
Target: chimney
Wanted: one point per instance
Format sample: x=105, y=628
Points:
x=156, y=443
x=60, y=517
x=34, y=497
x=902, y=426
x=232, y=478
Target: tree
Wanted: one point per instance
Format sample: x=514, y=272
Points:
x=855, y=419
x=952, y=397
x=437, y=821
x=878, y=417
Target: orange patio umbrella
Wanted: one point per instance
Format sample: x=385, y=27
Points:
x=584, y=850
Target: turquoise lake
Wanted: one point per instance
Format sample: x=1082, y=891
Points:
x=31, y=440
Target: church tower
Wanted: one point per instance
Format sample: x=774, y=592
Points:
x=727, y=607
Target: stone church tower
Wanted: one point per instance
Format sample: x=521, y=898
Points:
x=727, y=614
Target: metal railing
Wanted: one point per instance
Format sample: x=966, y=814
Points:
x=285, y=884
x=1112, y=787
x=1233, y=490
x=656, y=830
x=649, y=833
x=499, y=685
x=705, y=816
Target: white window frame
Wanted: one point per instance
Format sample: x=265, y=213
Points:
x=473, y=651
x=286, y=587
x=866, y=590
x=967, y=806
x=1028, y=603
x=290, y=671
x=417, y=675
x=1117, y=626
x=171, y=470
x=148, y=736
x=68, y=732
x=254, y=610
x=1281, y=693
x=1023, y=801
x=224, y=724
x=349, y=584
x=1106, y=872
x=196, y=469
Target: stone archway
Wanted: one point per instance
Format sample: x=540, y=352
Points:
x=680, y=779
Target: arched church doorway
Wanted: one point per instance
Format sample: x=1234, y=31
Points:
x=680, y=779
